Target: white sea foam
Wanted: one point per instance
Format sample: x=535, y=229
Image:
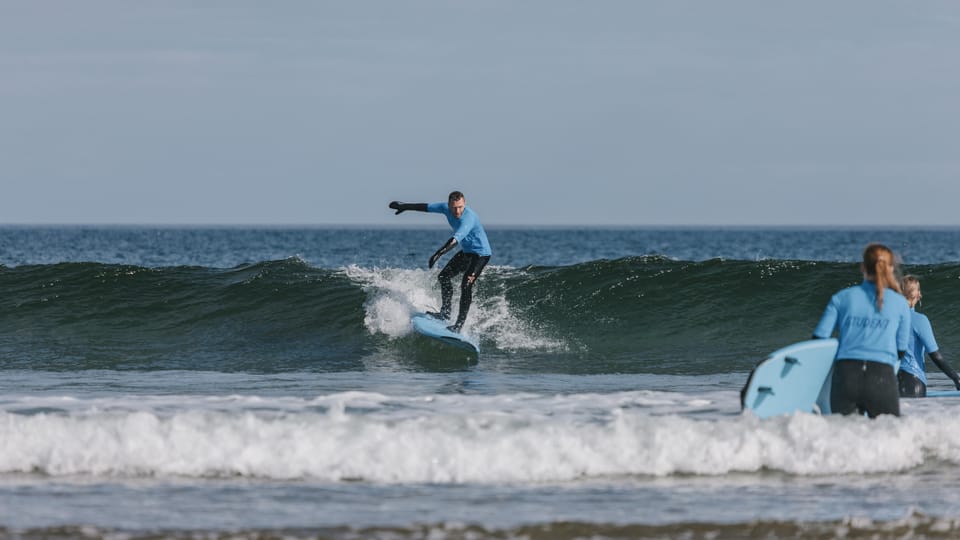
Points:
x=394, y=294
x=519, y=438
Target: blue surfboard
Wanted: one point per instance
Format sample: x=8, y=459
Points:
x=944, y=393
x=437, y=329
x=794, y=378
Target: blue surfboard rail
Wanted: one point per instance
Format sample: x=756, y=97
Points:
x=794, y=378
x=943, y=393
x=436, y=329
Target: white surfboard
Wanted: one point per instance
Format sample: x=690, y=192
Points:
x=437, y=329
x=794, y=378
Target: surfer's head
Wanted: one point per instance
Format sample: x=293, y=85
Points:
x=880, y=266
x=457, y=202
x=910, y=286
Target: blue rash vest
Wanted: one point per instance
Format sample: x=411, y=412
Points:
x=467, y=229
x=921, y=342
x=864, y=332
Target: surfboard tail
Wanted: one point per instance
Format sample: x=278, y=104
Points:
x=794, y=378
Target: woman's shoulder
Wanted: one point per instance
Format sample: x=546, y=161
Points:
x=899, y=296
x=919, y=319
x=858, y=290
x=893, y=296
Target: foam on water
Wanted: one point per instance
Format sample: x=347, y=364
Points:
x=394, y=294
x=500, y=439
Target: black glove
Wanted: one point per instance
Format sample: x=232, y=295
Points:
x=446, y=247
x=402, y=207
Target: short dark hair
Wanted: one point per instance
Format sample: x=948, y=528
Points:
x=455, y=196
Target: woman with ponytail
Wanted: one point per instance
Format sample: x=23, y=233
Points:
x=872, y=321
x=912, y=375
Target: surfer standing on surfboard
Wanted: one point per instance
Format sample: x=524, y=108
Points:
x=912, y=375
x=473, y=255
x=873, y=324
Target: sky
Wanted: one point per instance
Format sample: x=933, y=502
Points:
x=543, y=112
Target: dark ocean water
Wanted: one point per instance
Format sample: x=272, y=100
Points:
x=553, y=301
x=266, y=381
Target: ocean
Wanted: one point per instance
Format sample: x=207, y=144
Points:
x=264, y=382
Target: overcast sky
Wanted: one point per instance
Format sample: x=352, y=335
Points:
x=544, y=112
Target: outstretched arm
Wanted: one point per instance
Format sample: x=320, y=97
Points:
x=402, y=207
x=945, y=367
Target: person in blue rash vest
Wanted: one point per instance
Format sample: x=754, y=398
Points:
x=912, y=376
x=873, y=324
x=474, y=252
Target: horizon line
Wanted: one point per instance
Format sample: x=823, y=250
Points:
x=489, y=226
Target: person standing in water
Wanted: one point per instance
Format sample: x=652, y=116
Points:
x=474, y=252
x=912, y=376
x=872, y=320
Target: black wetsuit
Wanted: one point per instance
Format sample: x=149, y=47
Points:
x=468, y=264
x=910, y=386
x=864, y=387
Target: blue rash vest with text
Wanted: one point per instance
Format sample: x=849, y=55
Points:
x=467, y=229
x=865, y=333
x=921, y=342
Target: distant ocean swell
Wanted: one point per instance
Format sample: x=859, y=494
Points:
x=449, y=439
x=640, y=314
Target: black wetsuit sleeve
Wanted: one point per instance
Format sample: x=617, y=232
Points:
x=445, y=248
x=403, y=207
x=945, y=367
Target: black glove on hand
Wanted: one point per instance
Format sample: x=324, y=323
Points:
x=403, y=207
x=446, y=247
